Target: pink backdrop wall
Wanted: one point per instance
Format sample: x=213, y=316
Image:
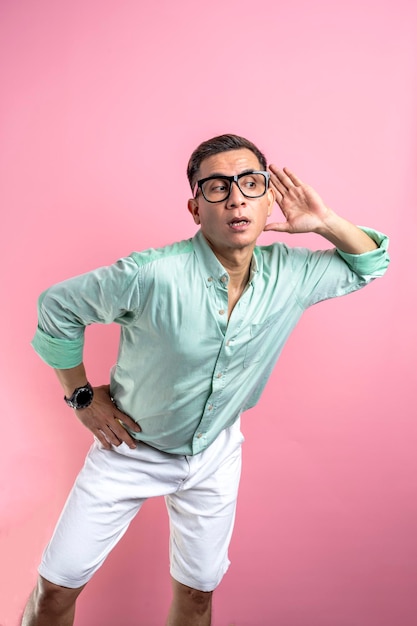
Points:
x=97, y=95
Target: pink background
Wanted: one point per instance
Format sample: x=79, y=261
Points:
x=102, y=103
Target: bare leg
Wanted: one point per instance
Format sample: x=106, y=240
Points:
x=50, y=605
x=190, y=607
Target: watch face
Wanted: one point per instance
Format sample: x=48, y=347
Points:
x=83, y=398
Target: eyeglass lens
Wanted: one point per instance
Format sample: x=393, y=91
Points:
x=218, y=189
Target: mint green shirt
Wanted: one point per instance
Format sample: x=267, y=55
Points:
x=184, y=371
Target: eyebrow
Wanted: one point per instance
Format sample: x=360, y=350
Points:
x=220, y=175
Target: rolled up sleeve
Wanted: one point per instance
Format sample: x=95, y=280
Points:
x=108, y=294
x=371, y=264
x=58, y=353
x=320, y=275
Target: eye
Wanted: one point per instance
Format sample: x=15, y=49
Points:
x=216, y=186
x=253, y=184
x=249, y=182
x=219, y=187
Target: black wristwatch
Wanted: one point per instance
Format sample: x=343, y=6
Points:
x=81, y=398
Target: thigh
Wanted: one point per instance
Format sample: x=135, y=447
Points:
x=201, y=525
x=107, y=494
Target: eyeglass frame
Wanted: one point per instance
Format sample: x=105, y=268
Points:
x=231, y=179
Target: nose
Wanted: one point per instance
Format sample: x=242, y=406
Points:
x=236, y=197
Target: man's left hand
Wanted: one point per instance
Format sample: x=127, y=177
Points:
x=301, y=205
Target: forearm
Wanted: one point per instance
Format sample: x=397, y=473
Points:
x=345, y=236
x=305, y=212
x=72, y=378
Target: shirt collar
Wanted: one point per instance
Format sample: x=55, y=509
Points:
x=212, y=268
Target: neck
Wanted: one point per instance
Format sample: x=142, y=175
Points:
x=237, y=263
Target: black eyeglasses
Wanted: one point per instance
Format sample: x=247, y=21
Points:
x=218, y=188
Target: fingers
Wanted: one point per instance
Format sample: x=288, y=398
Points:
x=121, y=423
x=108, y=429
x=283, y=180
x=285, y=176
x=280, y=227
x=294, y=179
x=124, y=420
x=107, y=437
x=106, y=421
x=103, y=439
x=118, y=433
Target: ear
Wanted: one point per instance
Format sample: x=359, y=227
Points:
x=271, y=199
x=193, y=209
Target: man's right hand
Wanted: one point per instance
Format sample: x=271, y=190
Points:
x=105, y=420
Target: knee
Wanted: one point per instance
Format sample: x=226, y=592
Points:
x=54, y=598
x=199, y=600
x=200, y=597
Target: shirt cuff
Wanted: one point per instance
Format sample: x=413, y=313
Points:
x=58, y=353
x=373, y=263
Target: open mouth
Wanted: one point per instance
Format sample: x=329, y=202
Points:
x=239, y=222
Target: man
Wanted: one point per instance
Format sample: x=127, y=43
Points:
x=203, y=322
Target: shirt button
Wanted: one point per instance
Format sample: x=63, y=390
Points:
x=223, y=279
x=210, y=279
x=219, y=375
x=221, y=312
x=210, y=406
x=199, y=435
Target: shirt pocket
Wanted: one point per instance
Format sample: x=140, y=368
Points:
x=258, y=342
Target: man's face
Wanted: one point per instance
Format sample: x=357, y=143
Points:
x=237, y=222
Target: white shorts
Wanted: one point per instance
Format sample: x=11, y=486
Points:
x=200, y=493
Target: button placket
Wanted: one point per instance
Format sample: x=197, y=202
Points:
x=218, y=294
x=220, y=301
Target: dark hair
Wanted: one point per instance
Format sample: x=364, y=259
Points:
x=222, y=143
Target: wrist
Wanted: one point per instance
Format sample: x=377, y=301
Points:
x=72, y=378
x=330, y=224
x=345, y=236
x=81, y=397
